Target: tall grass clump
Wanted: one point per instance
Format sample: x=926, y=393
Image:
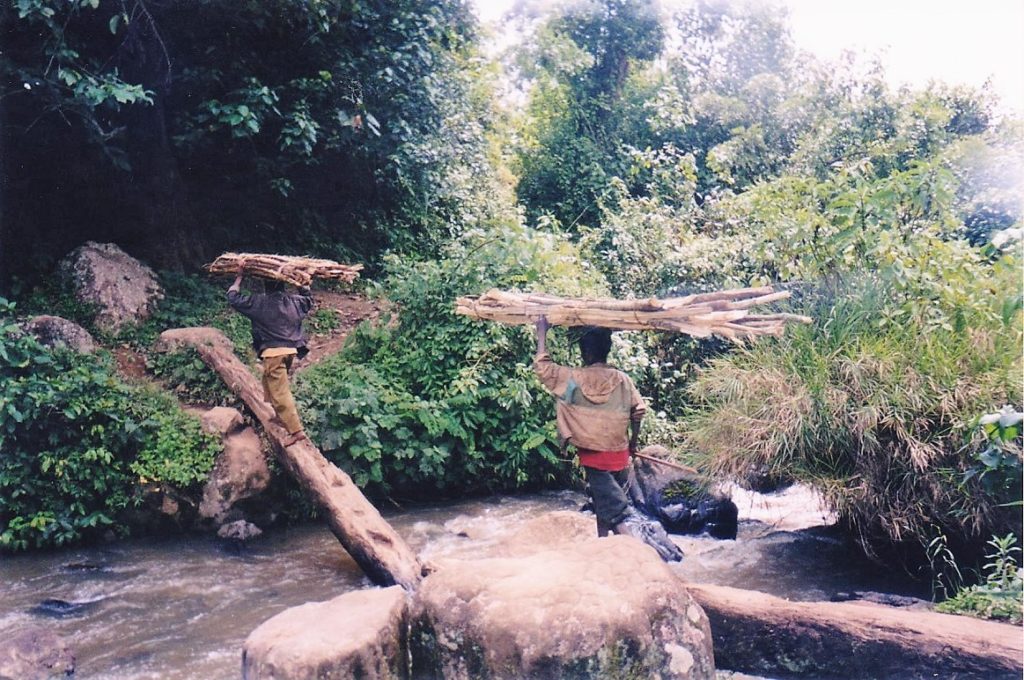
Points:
x=880, y=417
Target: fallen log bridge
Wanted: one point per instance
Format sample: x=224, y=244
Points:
x=375, y=546
x=762, y=634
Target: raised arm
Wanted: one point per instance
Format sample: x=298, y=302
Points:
x=542, y=335
x=555, y=378
x=236, y=298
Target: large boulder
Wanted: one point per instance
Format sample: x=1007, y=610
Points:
x=35, y=653
x=55, y=331
x=123, y=290
x=240, y=471
x=357, y=635
x=600, y=607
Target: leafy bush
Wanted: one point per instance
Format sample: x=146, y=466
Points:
x=322, y=321
x=173, y=449
x=433, y=402
x=998, y=596
x=190, y=301
x=75, y=439
x=184, y=373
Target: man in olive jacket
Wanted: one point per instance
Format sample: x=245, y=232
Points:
x=596, y=405
x=276, y=318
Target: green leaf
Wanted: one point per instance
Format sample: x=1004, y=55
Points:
x=534, y=442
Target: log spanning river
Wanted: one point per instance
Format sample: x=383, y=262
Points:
x=181, y=607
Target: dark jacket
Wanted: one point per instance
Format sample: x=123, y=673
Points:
x=276, y=317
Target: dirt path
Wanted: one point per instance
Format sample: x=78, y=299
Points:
x=350, y=309
x=131, y=364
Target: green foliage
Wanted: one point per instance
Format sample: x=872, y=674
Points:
x=998, y=465
x=184, y=373
x=66, y=76
x=577, y=136
x=52, y=297
x=322, y=321
x=998, y=596
x=174, y=449
x=348, y=127
x=74, y=440
x=431, y=402
x=190, y=301
x=876, y=416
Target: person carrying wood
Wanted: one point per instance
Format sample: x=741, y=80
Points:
x=276, y=318
x=595, y=406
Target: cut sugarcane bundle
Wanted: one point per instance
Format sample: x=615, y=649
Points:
x=724, y=313
x=298, y=271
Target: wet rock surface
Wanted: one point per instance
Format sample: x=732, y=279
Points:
x=123, y=290
x=55, y=331
x=239, y=531
x=221, y=420
x=357, y=635
x=678, y=500
x=762, y=634
x=240, y=471
x=605, y=607
x=34, y=654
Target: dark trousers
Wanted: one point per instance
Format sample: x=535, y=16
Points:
x=607, y=489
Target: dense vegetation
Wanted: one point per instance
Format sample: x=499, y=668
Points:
x=630, y=153
x=80, y=446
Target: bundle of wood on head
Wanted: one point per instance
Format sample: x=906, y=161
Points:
x=724, y=313
x=298, y=271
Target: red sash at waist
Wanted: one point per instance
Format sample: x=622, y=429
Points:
x=609, y=461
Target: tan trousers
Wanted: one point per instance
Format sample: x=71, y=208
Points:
x=278, y=393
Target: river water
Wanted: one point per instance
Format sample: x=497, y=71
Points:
x=182, y=607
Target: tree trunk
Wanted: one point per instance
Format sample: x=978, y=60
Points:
x=368, y=538
x=765, y=635
x=158, y=222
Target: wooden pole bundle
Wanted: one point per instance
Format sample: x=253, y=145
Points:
x=298, y=271
x=724, y=313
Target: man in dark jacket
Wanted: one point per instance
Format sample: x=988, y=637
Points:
x=277, y=336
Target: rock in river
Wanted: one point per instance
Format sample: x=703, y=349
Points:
x=34, y=654
x=357, y=635
x=604, y=607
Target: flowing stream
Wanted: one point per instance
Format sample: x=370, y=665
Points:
x=181, y=607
